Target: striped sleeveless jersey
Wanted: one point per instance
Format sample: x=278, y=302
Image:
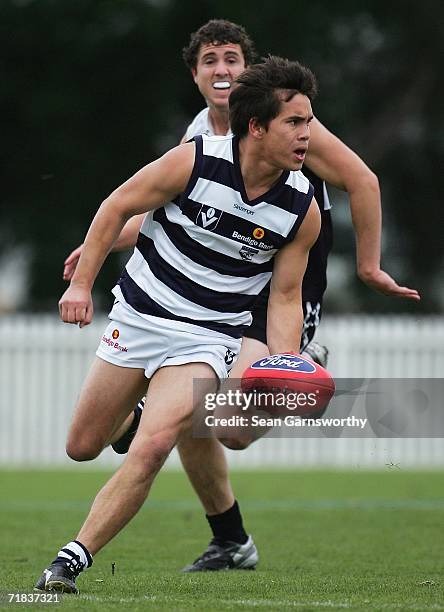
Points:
x=203, y=258
x=315, y=278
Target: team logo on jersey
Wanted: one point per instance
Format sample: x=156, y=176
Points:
x=115, y=334
x=258, y=233
x=247, y=252
x=208, y=217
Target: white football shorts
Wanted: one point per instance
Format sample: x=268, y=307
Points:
x=150, y=343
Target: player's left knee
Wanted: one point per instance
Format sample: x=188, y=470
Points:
x=83, y=449
x=151, y=453
x=236, y=443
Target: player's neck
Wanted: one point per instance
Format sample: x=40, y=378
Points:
x=258, y=175
x=219, y=120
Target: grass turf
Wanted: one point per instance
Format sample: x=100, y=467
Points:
x=336, y=540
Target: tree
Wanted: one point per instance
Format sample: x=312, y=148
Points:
x=96, y=89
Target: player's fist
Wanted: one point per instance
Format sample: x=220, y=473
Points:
x=75, y=306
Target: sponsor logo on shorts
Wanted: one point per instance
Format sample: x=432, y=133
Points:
x=258, y=233
x=208, y=217
x=287, y=363
x=115, y=334
x=248, y=253
x=112, y=343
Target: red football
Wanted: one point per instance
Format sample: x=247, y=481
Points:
x=294, y=384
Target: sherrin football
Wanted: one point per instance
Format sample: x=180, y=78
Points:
x=297, y=385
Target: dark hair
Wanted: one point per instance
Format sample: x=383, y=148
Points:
x=262, y=88
x=218, y=32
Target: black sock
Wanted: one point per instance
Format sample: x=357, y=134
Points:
x=135, y=422
x=228, y=525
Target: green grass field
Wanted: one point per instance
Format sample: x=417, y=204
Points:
x=336, y=540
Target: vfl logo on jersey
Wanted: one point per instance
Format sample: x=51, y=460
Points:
x=287, y=363
x=247, y=252
x=208, y=217
x=258, y=233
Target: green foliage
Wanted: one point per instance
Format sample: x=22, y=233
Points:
x=338, y=540
x=94, y=89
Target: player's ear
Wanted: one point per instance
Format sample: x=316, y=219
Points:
x=255, y=128
x=194, y=74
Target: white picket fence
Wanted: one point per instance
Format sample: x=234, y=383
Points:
x=43, y=363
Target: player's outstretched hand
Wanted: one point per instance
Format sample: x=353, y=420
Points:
x=75, y=306
x=383, y=283
x=70, y=263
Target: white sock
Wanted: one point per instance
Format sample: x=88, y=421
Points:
x=75, y=550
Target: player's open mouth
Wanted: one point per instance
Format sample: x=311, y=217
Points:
x=222, y=85
x=300, y=153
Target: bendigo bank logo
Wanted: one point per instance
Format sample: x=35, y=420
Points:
x=258, y=233
x=112, y=342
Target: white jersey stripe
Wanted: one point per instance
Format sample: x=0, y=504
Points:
x=140, y=272
x=194, y=271
x=263, y=214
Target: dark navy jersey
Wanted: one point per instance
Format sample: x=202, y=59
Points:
x=315, y=278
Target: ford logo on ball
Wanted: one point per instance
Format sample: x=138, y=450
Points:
x=286, y=363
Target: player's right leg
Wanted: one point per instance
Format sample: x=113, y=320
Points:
x=103, y=404
x=171, y=401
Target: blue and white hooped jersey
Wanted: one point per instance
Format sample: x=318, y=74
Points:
x=203, y=258
x=201, y=124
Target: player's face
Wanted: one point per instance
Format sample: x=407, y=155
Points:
x=216, y=69
x=286, y=140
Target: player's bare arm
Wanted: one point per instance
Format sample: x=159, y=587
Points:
x=338, y=165
x=284, y=318
x=126, y=239
x=150, y=188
